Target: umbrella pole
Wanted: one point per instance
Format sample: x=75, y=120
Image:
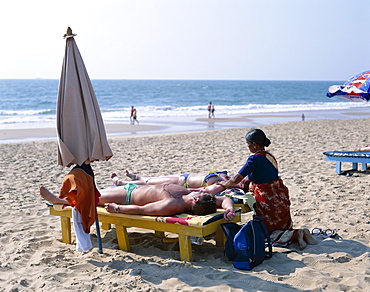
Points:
x=98, y=235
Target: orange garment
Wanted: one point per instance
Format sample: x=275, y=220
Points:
x=79, y=189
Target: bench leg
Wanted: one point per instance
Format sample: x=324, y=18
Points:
x=220, y=237
x=186, y=253
x=106, y=226
x=122, y=237
x=65, y=223
x=159, y=234
x=338, y=167
x=355, y=166
x=364, y=166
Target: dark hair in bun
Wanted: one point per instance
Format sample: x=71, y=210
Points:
x=258, y=136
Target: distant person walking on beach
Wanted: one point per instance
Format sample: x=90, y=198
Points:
x=133, y=116
x=213, y=111
x=303, y=117
x=209, y=109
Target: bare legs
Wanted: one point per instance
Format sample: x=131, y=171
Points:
x=301, y=242
x=140, y=180
x=117, y=195
x=304, y=238
x=308, y=237
x=119, y=182
x=50, y=197
x=133, y=176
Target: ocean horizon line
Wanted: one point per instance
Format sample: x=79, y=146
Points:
x=184, y=79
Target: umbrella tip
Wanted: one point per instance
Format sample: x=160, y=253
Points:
x=69, y=33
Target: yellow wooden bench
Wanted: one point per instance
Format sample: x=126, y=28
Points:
x=244, y=208
x=198, y=226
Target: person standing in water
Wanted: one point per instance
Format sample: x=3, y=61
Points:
x=209, y=109
x=213, y=111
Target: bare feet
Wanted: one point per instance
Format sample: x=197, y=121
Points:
x=133, y=176
x=118, y=182
x=302, y=243
x=308, y=237
x=115, y=179
x=50, y=197
x=304, y=238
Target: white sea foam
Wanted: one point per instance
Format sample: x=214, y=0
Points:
x=153, y=112
x=167, y=111
x=33, y=102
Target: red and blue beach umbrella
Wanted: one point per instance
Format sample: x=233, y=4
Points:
x=355, y=89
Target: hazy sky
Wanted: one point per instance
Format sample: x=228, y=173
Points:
x=188, y=39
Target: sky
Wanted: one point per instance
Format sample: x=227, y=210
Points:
x=188, y=39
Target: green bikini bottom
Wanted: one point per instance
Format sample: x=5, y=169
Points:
x=129, y=188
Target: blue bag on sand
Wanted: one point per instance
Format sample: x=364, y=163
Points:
x=245, y=246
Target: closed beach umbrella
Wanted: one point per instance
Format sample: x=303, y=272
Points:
x=355, y=89
x=81, y=134
x=80, y=129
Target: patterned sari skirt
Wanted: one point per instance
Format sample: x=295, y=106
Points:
x=273, y=203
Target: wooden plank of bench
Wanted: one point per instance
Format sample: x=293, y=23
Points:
x=121, y=221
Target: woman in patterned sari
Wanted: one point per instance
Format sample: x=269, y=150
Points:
x=272, y=196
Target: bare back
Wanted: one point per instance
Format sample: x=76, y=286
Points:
x=196, y=180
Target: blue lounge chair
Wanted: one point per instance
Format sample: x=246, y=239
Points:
x=348, y=156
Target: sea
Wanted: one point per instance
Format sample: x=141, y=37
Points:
x=31, y=103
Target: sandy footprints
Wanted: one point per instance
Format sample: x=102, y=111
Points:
x=306, y=281
x=340, y=258
x=34, y=259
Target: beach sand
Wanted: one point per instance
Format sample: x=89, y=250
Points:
x=32, y=257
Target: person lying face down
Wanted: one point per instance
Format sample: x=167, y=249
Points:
x=187, y=180
x=159, y=200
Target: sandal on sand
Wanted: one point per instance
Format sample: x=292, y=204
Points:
x=316, y=231
x=328, y=233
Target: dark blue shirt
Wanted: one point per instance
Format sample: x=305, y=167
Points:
x=259, y=169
